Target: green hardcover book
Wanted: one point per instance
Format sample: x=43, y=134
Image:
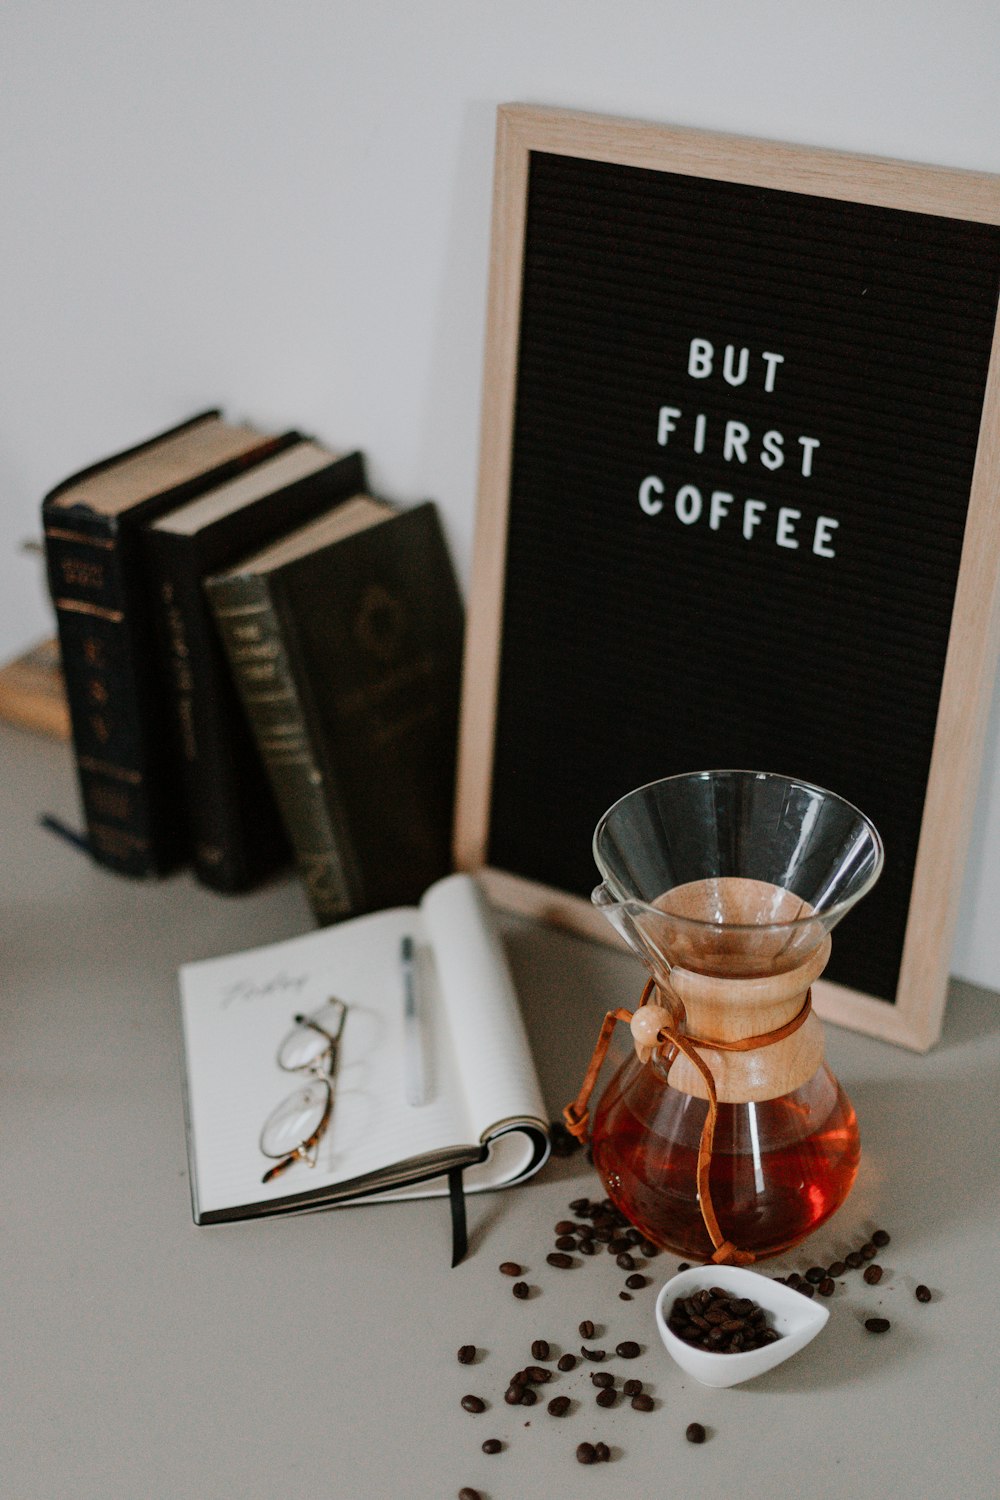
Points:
x=345, y=641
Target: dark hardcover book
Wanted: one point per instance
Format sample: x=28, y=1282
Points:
x=237, y=834
x=119, y=711
x=345, y=641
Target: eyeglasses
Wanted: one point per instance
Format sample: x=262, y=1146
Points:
x=292, y=1132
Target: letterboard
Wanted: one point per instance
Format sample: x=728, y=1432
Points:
x=738, y=509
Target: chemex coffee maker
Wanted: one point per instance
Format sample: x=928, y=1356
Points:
x=724, y=1136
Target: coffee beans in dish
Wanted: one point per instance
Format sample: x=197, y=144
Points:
x=710, y=1319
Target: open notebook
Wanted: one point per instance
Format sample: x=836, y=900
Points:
x=483, y=1121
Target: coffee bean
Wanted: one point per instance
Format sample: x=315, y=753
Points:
x=521, y=1289
x=628, y=1349
x=594, y=1354
x=602, y=1378
x=837, y=1268
x=567, y=1362
x=607, y=1397
x=558, y=1259
x=815, y=1274
x=474, y=1404
x=586, y=1329
x=540, y=1349
x=528, y=1396
x=467, y=1493
x=827, y=1287
x=586, y=1453
x=625, y=1261
x=695, y=1433
x=587, y=1247
x=492, y=1445
x=922, y=1293
x=880, y=1238
x=625, y=1296
x=635, y=1281
x=868, y=1251
x=854, y=1259
x=642, y=1402
x=537, y=1375
x=685, y=1265
x=806, y=1288
x=566, y=1242
x=466, y=1354
x=521, y=1378
x=877, y=1325
x=579, y=1206
x=603, y=1452
x=873, y=1274
x=558, y=1406
x=512, y=1395
x=632, y=1388
x=648, y=1248
x=510, y=1268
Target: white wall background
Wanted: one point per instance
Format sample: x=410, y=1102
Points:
x=282, y=207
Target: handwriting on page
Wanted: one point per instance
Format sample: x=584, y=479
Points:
x=262, y=989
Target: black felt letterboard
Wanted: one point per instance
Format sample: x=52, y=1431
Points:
x=744, y=432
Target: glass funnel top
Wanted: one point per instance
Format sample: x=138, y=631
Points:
x=732, y=873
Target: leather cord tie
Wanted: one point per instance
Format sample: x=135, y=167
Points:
x=577, y=1117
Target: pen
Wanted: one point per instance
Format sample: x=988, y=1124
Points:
x=413, y=1050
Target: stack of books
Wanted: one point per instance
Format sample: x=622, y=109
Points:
x=262, y=661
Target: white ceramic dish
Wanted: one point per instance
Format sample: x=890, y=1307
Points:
x=798, y=1319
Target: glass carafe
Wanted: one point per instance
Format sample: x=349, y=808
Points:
x=724, y=1135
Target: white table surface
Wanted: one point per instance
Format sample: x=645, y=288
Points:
x=313, y=1358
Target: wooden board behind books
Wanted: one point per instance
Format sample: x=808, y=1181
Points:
x=738, y=507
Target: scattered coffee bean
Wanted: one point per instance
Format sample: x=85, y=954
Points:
x=873, y=1274
x=566, y=1242
x=528, y=1396
x=467, y=1493
x=540, y=1349
x=586, y=1329
x=510, y=1268
x=521, y=1378
x=854, y=1259
x=695, y=1433
x=561, y=1261
x=466, y=1354
x=607, y=1397
x=579, y=1205
x=806, y=1288
x=627, y=1349
x=586, y=1453
x=880, y=1238
x=635, y=1281
x=632, y=1388
x=594, y=1354
x=625, y=1261
x=868, y=1251
x=537, y=1375
x=685, y=1265
x=602, y=1452
x=648, y=1248
x=473, y=1403
x=922, y=1293
x=625, y=1296
x=815, y=1274
x=566, y=1362
x=587, y=1247
x=521, y=1290
x=512, y=1395
x=827, y=1287
x=566, y=1226
x=877, y=1325
x=837, y=1268
x=492, y=1445
x=558, y=1406
x=602, y=1378
x=642, y=1402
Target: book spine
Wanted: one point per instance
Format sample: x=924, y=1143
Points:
x=252, y=637
x=236, y=832
x=111, y=698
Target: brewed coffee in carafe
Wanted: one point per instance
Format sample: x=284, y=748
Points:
x=724, y=1135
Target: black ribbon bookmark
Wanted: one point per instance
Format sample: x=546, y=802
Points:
x=459, y=1230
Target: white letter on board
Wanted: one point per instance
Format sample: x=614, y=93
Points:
x=718, y=507
x=649, y=487
x=752, y=512
x=808, y=444
x=737, y=376
x=772, y=449
x=736, y=439
x=667, y=423
x=700, y=359
x=786, y=526
x=700, y=423
x=688, y=504
x=824, y=525
x=771, y=360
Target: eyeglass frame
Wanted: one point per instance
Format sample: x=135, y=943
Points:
x=323, y=1069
